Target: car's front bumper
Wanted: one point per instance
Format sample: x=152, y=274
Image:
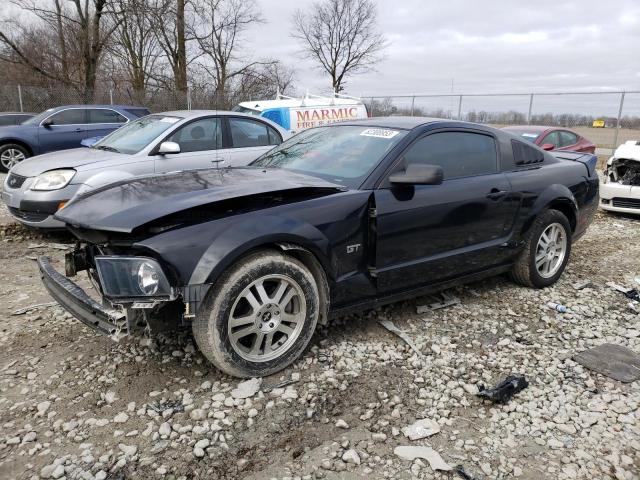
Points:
x=36, y=208
x=76, y=301
x=616, y=197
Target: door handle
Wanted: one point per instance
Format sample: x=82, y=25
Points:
x=78, y=129
x=496, y=194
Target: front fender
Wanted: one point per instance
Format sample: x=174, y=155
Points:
x=248, y=235
x=207, y=249
x=21, y=139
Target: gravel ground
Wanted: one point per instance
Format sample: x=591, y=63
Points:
x=76, y=404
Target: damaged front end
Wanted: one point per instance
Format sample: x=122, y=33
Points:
x=624, y=171
x=136, y=293
x=620, y=187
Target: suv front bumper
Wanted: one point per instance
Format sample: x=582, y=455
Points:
x=76, y=301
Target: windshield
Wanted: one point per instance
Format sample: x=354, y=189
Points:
x=38, y=118
x=343, y=154
x=241, y=109
x=134, y=136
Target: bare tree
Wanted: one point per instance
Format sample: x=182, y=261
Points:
x=75, y=30
x=342, y=36
x=218, y=37
x=135, y=44
x=264, y=82
x=171, y=20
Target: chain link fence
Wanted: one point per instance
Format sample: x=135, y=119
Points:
x=21, y=98
x=606, y=118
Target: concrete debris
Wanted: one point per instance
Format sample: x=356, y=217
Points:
x=443, y=300
x=247, y=389
x=582, y=284
x=421, y=429
x=408, y=452
x=22, y=311
x=389, y=325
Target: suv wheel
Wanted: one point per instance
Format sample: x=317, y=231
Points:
x=546, y=251
x=11, y=154
x=260, y=315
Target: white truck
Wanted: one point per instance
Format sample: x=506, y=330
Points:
x=296, y=114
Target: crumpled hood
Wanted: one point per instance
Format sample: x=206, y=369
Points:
x=72, y=158
x=123, y=206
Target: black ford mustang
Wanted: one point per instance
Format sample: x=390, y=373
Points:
x=336, y=219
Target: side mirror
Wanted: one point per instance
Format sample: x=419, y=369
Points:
x=548, y=146
x=169, y=147
x=418, y=174
x=47, y=123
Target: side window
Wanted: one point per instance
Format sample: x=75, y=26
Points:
x=72, y=116
x=199, y=136
x=553, y=138
x=460, y=154
x=250, y=133
x=568, y=138
x=104, y=115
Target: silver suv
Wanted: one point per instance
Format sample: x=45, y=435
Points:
x=38, y=187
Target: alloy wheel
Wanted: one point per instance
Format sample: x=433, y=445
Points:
x=551, y=250
x=10, y=157
x=267, y=318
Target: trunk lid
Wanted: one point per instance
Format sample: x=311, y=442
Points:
x=589, y=160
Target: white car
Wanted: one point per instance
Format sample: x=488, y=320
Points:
x=620, y=187
x=38, y=187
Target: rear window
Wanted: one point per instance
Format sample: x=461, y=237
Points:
x=524, y=154
x=138, y=112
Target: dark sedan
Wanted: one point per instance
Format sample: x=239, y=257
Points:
x=337, y=219
x=61, y=128
x=553, y=138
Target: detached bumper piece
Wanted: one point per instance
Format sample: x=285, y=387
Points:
x=74, y=300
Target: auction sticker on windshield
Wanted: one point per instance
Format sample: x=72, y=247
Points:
x=379, y=133
x=169, y=119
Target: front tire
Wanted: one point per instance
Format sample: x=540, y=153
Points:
x=11, y=154
x=260, y=315
x=546, y=251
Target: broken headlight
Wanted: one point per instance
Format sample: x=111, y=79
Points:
x=131, y=277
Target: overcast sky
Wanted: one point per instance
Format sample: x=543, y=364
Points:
x=480, y=46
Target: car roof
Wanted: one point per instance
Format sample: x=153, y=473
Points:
x=533, y=128
x=401, y=122
x=96, y=105
x=199, y=113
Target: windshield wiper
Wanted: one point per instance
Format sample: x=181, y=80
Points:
x=107, y=148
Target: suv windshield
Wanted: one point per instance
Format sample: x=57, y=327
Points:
x=343, y=154
x=134, y=136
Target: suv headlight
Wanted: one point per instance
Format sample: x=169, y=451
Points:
x=53, y=179
x=131, y=277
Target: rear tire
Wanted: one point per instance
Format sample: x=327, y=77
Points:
x=12, y=154
x=546, y=251
x=260, y=315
